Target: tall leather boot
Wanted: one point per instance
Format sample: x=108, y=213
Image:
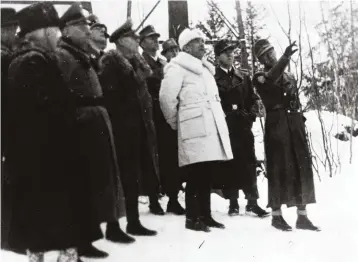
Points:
x=137, y=229
x=115, y=234
x=174, y=206
x=154, y=206
x=91, y=251
x=205, y=210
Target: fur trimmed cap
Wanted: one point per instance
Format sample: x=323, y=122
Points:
x=8, y=17
x=261, y=47
x=188, y=35
x=36, y=16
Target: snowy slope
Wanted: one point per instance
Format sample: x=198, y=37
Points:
x=252, y=239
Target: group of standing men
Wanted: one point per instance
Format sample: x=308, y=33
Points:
x=85, y=132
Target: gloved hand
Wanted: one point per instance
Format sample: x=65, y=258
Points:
x=289, y=50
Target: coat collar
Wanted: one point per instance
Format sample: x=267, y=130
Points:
x=154, y=62
x=193, y=64
x=221, y=73
x=75, y=50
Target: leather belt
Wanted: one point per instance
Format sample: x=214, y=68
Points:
x=281, y=106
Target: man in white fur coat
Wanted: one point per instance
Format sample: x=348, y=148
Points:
x=190, y=103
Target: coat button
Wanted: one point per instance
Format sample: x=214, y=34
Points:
x=288, y=111
x=285, y=94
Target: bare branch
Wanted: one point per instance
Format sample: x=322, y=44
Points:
x=278, y=21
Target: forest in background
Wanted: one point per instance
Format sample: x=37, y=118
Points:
x=329, y=85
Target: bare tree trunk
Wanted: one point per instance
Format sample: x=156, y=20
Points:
x=288, y=33
x=244, y=55
x=253, y=56
x=334, y=61
x=353, y=109
x=300, y=48
x=328, y=156
x=129, y=8
x=289, y=30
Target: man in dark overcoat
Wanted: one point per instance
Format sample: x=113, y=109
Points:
x=97, y=44
x=8, y=30
x=48, y=209
x=289, y=166
x=94, y=146
x=240, y=104
x=167, y=139
x=123, y=75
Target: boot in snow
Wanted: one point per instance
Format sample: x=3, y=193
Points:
x=155, y=208
x=256, y=210
x=175, y=207
x=115, y=234
x=91, y=251
x=304, y=223
x=280, y=223
x=210, y=222
x=137, y=229
x=196, y=225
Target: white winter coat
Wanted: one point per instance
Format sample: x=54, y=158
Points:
x=190, y=103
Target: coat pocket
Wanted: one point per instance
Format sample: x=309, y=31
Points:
x=192, y=123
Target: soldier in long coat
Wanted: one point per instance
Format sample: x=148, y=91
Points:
x=96, y=48
x=289, y=167
x=190, y=102
x=166, y=137
x=94, y=144
x=48, y=209
x=240, y=104
x=123, y=75
x=8, y=30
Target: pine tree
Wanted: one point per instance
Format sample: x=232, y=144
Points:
x=253, y=25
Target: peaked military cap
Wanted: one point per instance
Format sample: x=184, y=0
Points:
x=75, y=14
x=222, y=46
x=36, y=16
x=8, y=16
x=148, y=31
x=261, y=47
x=123, y=30
x=169, y=44
x=94, y=22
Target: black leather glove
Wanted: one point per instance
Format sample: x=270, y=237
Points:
x=290, y=49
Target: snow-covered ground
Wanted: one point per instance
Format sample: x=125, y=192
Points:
x=252, y=239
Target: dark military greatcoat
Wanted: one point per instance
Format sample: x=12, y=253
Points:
x=167, y=137
x=240, y=104
x=94, y=143
x=6, y=56
x=47, y=205
x=289, y=169
x=130, y=107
